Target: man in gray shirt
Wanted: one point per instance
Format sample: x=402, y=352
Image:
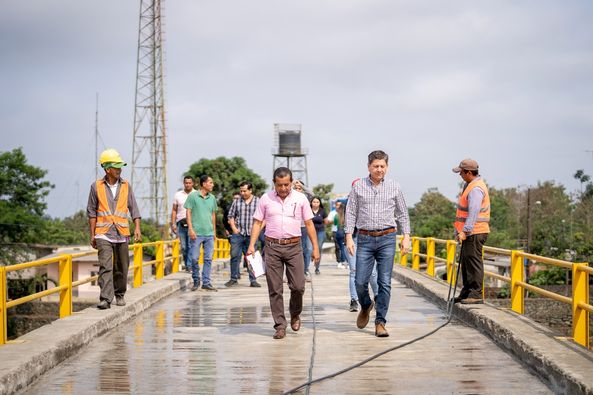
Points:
x=375, y=206
x=111, y=201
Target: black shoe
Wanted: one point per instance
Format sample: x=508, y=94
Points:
x=120, y=301
x=353, y=305
x=103, y=305
x=195, y=287
x=472, y=301
x=255, y=284
x=317, y=271
x=209, y=287
x=231, y=283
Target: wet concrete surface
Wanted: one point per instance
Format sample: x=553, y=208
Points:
x=221, y=342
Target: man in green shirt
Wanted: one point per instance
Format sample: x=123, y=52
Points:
x=201, y=223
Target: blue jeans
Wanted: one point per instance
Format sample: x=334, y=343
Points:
x=382, y=250
x=307, y=248
x=194, y=254
x=183, y=234
x=352, y=266
x=239, y=245
x=320, y=240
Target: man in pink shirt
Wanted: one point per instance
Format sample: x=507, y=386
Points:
x=283, y=209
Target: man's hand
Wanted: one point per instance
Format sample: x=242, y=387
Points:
x=174, y=228
x=192, y=234
x=137, y=235
x=250, y=250
x=349, y=244
x=93, y=242
x=315, y=255
x=404, y=245
x=461, y=236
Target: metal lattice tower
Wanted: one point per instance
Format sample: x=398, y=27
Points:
x=287, y=151
x=149, y=156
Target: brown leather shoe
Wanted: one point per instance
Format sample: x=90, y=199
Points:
x=280, y=333
x=295, y=323
x=472, y=301
x=380, y=330
x=363, y=316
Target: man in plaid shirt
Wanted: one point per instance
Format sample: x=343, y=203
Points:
x=241, y=220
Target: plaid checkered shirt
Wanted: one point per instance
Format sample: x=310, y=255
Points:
x=242, y=213
x=371, y=207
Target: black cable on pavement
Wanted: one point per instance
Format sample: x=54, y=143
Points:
x=449, y=310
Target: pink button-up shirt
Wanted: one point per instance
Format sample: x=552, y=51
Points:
x=283, y=217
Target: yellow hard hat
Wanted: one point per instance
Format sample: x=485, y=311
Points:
x=111, y=157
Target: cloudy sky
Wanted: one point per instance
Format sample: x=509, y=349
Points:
x=509, y=83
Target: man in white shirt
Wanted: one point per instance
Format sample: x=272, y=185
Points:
x=178, y=218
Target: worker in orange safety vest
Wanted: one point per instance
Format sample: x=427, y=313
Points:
x=471, y=229
x=111, y=201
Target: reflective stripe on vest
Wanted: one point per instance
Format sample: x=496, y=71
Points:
x=119, y=218
x=481, y=225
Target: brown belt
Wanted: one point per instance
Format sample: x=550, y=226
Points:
x=291, y=240
x=376, y=233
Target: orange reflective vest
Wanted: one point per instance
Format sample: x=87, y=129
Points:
x=481, y=225
x=119, y=218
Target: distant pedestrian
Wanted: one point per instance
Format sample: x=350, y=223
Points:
x=331, y=217
x=201, y=222
x=179, y=220
x=241, y=221
x=472, y=228
x=305, y=241
x=319, y=221
x=111, y=201
x=375, y=206
x=283, y=209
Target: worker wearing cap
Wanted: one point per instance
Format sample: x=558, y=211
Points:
x=471, y=228
x=111, y=201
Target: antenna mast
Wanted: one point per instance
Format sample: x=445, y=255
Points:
x=149, y=155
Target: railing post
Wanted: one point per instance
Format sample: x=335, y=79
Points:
x=517, y=274
x=138, y=280
x=580, y=294
x=201, y=258
x=430, y=251
x=415, y=252
x=4, y=316
x=227, y=248
x=65, y=280
x=451, y=249
x=160, y=260
x=175, y=254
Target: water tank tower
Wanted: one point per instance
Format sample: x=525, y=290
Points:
x=287, y=151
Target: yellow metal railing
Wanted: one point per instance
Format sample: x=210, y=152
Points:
x=66, y=285
x=580, y=278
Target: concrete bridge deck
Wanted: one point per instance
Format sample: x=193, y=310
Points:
x=205, y=342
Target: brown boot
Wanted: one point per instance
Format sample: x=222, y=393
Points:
x=363, y=316
x=280, y=333
x=380, y=330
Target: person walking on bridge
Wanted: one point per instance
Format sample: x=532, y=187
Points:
x=110, y=202
x=240, y=219
x=471, y=229
x=375, y=206
x=283, y=209
x=201, y=223
x=179, y=218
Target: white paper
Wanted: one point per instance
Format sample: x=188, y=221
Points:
x=256, y=264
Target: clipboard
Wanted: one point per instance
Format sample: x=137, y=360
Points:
x=256, y=264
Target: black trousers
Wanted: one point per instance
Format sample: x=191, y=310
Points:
x=472, y=266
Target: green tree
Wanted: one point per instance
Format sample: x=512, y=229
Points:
x=433, y=215
x=323, y=191
x=227, y=174
x=22, y=194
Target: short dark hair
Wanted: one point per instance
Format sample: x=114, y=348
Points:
x=188, y=177
x=282, y=172
x=378, y=155
x=246, y=183
x=203, y=179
